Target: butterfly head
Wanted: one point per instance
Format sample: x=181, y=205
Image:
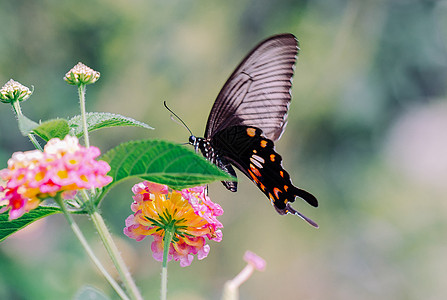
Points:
x=198, y=144
x=192, y=140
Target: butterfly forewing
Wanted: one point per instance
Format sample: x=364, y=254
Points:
x=258, y=92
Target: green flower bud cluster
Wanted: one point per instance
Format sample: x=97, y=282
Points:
x=81, y=74
x=13, y=91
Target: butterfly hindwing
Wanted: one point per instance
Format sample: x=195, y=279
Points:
x=256, y=157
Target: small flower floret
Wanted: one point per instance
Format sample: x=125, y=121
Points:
x=81, y=74
x=63, y=167
x=189, y=213
x=14, y=91
x=256, y=261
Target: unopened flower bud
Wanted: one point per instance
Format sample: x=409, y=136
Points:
x=256, y=261
x=14, y=91
x=81, y=74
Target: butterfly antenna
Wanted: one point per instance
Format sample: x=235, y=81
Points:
x=178, y=118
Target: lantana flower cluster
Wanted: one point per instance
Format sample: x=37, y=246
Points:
x=63, y=167
x=189, y=213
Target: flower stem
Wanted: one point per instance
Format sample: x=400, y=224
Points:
x=242, y=276
x=81, y=91
x=231, y=288
x=89, y=251
x=114, y=254
x=16, y=107
x=35, y=142
x=169, y=234
x=164, y=282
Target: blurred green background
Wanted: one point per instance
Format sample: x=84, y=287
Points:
x=367, y=135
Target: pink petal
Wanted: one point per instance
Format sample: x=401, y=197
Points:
x=203, y=252
x=186, y=260
x=156, y=188
x=157, y=249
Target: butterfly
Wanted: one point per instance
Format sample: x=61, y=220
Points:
x=248, y=115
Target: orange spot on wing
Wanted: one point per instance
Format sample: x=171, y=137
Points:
x=286, y=188
x=253, y=176
x=272, y=157
x=281, y=173
x=276, y=191
x=255, y=170
x=262, y=187
x=263, y=143
x=251, y=132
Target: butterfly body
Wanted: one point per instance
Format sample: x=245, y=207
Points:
x=217, y=158
x=249, y=114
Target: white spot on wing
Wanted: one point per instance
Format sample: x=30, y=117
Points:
x=255, y=162
x=258, y=158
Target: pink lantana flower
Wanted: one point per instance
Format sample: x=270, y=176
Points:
x=190, y=212
x=63, y=167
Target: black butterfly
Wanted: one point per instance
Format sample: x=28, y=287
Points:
x=250, y=113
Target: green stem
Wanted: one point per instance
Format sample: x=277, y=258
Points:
x=18, y=111
x=114, y=254
x=89, y=251
x=81, y=91
x=35, y=142
x=169, y=234
x=16, y=107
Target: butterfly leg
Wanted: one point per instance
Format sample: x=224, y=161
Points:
x=226, y=166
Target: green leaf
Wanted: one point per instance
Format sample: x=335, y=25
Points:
x=161, y=162
x=26, y=125
x=97, y=120
x=57, y=128
x=90, y=293
x=9, y=227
